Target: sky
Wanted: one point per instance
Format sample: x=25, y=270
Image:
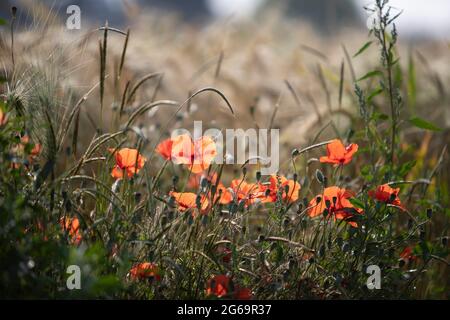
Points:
x=429, y=18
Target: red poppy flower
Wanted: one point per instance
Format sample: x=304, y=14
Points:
x=145, y=270
x=337, y=153
x=243, y=294
x=384, y=193
x=281, y=183
x=408, y=255
x=248, y=192
x=188, y=200
x=3, y=118
x=197, y=155
x=128, y=161
x=165, y=149
x=218, y=286
x=72, y=226
x=336, y=202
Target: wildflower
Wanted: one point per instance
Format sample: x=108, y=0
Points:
x=165, y=149
x=127, y=160
x=243, y=294
x=72, y=226
x=384, y=193
x=188, y=200
x=248, y=192
x=3, y=118
x=289, y=189
x=223, y=195
x=218, y=286
x=145, y=270
x=337, y=153
x=334, y=201
x=407, y=255
x=197, y=155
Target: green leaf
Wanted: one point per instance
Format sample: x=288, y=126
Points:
x=3, y=22
x=423, y=124
x=362, y=49
x=370, y=75
x=374, y=93
x=357, y=203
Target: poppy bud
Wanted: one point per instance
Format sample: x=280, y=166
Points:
x=68, y=205
x=429, y=213
x=328, y=203
x=401, y=263
x=163, y=221
x=286, y=222
x=300, y=209
x=244, y=171
x=346, y=247
x=410, y=223
x=198, y=201
x=13, y=11
x=322, y=251
x=318, y=200
x=305, y=202
x=175, y=180
x=267, y=192
x=286, y=189
x=137, y=197
x=422, y=234
x=261, y=238
x=171, y=202
x=334, y=200
x=258, y=176
x=319, y=176
x=444, y=241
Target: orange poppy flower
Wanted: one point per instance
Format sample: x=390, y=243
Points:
x=127, y=160
x=188, y=200
x=145, y=270
x=384, y=193
x=3, y=118
x=72, y=226
x=407, y=255
x=218, y=286
x=338, y=204
x=243, y=294
x=164, y=148
x=281, y=182
x=20, y=150
x=197, y=155
x=249, y=192
x=196, y=179
x=223, y=194
x=337, y=153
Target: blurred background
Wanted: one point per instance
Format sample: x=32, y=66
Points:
x=419, y=18
x=277, y=62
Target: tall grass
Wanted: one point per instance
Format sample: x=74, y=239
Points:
x=276, y=250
